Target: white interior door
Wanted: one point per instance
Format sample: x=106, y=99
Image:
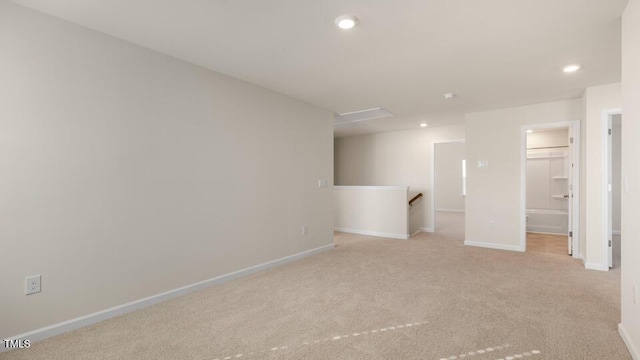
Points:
x=570, y=176
x=610, y=193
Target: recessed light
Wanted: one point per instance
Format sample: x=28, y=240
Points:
x=529, y=131
x=571, y=68
x=346, y=22
x=423, y=125
x=449, y=96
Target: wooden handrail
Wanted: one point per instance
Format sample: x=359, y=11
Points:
x=414, y=199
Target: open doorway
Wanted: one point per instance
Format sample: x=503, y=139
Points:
x=449, y=188
x=613, y=147
x=549, y=184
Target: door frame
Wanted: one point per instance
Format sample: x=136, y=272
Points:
x=605, y=193
x=432, y=205
x=574, y=128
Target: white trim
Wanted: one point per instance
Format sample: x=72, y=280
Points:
x=416, y=233
x=82, y=321
x=427, y=229
x=451, y=210
x=373, y=233
x=576, y=159
x=340, y=187
x=517, y=248
x=523, y=186
x=616, y=232
x=605, y=142
x=633, y=350
x=432, y=206
x=596, y=266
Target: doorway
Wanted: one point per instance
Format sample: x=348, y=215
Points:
x=549, y=177
x=449, y=169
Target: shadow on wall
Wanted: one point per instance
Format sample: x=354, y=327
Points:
x=416, y=212
x=359, y=167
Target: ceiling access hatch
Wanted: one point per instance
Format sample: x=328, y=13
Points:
x=361, y=115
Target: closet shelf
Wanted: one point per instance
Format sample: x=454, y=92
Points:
x=559, y=197
x=560, y=177
x=546, y=157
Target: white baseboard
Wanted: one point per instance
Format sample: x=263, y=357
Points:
x=616, y=232
x=579, y=257
x=82, y=321
x=372, y=233
x=494, y=246
x=416, y=233
x=427, y=230
x=633, y=349
x=451, y=210
x=596, y=266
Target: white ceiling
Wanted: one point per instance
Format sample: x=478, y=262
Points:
x=402, y=56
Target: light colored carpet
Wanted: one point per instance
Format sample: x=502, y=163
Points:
x=370, y=298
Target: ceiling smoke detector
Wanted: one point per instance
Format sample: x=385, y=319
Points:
x=449, y=96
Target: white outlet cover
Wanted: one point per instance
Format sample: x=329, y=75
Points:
x=33, y=284
x=322, y=183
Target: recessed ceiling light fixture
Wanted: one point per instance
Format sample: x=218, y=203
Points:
x=571, y=68
x=529, y=131
x=449, y=96
x=346, y=22
x=424, y=125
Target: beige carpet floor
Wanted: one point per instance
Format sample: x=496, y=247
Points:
x=370, y=298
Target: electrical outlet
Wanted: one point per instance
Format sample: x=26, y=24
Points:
x=322, y=183
x=492, y=224
x=305, y=229
x=32, y=284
